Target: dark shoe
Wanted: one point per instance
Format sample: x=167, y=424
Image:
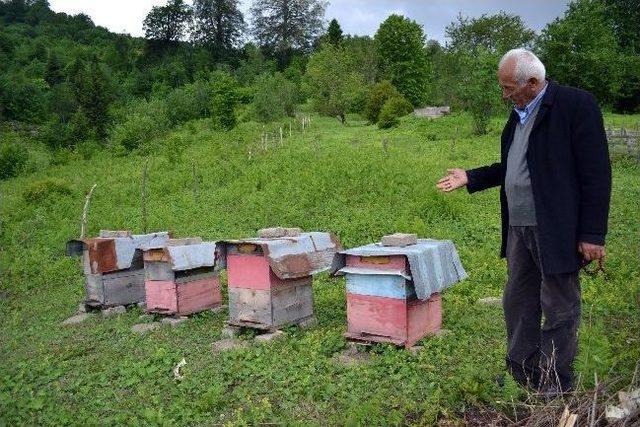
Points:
x=552, y=392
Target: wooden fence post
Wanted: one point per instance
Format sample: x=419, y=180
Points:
x=85, y=209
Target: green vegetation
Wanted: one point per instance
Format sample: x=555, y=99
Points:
x=80, y=105
x=361, y=184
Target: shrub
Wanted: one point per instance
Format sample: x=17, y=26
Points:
x=192, y=101
x=223, y=100
x=12, y=160
x=142, y=121
x=392, y=110
x=39, y=191
x=378, y=95
x=275, y=97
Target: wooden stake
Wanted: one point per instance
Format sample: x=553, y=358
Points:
x=83, y=221
x=195, y=181
x=280, y=135
x=143, y=204
x=290, y=133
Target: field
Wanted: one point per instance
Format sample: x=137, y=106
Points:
x=356, y=181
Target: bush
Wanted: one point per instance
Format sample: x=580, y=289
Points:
x=192, y=101
x=392, y=110
x=12, y=160
x=39, y=191
x=378, y=95
x=223, y=100
x=275, y=97
x=142, y=121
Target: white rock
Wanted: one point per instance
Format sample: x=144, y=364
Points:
x=269, y=336
x=173, y=321
x=78, y=318
x=141, y=328
x=230, y=331
x=228, y=344
x=114, y=311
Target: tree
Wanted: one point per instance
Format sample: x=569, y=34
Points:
x=334, y=33
x=167, y=24
x=335, y=87
x=493, y=33
x=625, y=16
x=218, y=25
x=275, y=97
x=53, y=74
x=363, y=51
x=282, y=26
x=400, y=44
x=580, y=49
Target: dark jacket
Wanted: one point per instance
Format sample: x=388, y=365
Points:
x=570, y=172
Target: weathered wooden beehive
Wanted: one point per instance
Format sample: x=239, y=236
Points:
x=393, y=292
x=113, y=266
x=180, y=278
x=270, y=278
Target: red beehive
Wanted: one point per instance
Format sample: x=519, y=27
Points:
x=383, y=302
x=180, y=279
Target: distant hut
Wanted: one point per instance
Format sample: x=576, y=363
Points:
x=393, y=291
x=113, y=266
x=181, y=278
x=270, y=277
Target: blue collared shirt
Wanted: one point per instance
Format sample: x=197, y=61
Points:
x=525, y=113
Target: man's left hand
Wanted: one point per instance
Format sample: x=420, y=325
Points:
x=591, y=252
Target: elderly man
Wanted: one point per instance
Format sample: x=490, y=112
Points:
x=555, y=183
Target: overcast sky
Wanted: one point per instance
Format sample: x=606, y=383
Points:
x=360, y=17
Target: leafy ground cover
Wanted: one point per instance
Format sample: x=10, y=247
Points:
x=354, y=180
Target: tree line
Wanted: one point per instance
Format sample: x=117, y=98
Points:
x=78, y=83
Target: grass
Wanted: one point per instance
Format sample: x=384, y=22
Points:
x=354, y=180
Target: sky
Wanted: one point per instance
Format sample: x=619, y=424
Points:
x=361, y=17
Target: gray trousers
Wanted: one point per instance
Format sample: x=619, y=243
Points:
x=539, y=354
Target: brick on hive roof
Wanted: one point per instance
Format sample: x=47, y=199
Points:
x=399, y=239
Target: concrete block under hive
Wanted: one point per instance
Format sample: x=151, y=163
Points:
x=181, y=278
x=113, y=266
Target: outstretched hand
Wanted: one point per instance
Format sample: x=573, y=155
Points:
x=455, y=178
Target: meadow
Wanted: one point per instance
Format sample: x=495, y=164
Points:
x=356, y=181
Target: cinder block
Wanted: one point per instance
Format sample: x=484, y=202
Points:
x=272, y=233
x=399, y=239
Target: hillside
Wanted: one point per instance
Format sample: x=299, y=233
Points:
x=356, y=181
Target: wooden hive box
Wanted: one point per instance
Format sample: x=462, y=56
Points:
x=113, y=267
x=382, y=304
x=258, y=298
x=180, y=279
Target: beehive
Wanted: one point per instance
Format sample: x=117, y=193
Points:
x=113, y=266
x=180, y=278
x=270, y=279
x=383, y=304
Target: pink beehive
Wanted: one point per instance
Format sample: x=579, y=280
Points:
x=381, y=302
x=270, y=278
x=180, y=279
x=393, y=292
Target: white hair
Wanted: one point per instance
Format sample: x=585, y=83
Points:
x=528, y=65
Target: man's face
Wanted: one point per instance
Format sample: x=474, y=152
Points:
x=519, y=94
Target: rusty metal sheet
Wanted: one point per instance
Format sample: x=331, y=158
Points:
x=108, y=254
x=289, y=257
